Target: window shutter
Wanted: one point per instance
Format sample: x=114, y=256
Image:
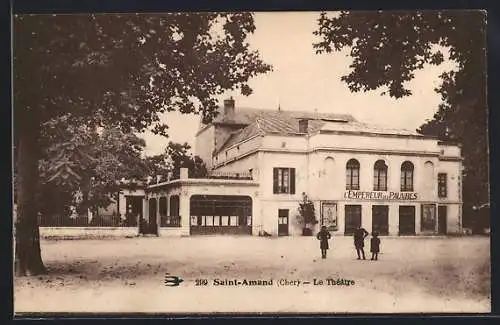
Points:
x=275, y=180
x=292, y=180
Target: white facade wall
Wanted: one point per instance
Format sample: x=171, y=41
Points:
x=204, y=145
x=374, y=143
x=320, y=164
x=237, y=151
x=185, y=189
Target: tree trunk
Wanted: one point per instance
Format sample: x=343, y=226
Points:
x=28, y=260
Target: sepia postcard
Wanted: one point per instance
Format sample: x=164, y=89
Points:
x=251, y=163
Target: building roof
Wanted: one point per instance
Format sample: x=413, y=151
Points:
x=281, y=122
x=358, y=127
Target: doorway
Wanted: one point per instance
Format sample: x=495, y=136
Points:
x=134, y=210
x=152, y=227
x=352, y=218
x=442, y=219
x=283, y=222
x=406, y=220
x=380, y=219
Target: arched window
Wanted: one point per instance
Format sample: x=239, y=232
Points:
x=352, y=175
x=380, y=176
x=407, y=177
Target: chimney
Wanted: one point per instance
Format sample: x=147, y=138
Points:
x=229, y=109
x=184, y=173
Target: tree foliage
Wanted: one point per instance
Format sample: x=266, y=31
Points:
x=388, y=47
x=175, y=157
x=127, y=68
x=81, y=159
x=119, y=70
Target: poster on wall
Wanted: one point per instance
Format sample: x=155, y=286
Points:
x=329, y=215
x=428, y=221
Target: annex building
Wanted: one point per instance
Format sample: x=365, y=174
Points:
x=262, y=162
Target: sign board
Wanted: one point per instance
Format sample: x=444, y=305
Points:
x=329, y=215
x=377, y=195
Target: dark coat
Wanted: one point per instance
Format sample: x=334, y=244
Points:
x=375, y=245
x=359, y=237
x=323, y=237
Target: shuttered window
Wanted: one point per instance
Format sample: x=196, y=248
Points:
x=442, y=185
x=284, y=180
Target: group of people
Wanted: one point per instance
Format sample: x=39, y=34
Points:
x=359, y=242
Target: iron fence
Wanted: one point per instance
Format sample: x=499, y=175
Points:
x=85, y=221
x=170, y=221
x=229, y=175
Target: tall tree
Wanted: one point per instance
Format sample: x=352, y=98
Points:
x=116, y=69
x=388, y=47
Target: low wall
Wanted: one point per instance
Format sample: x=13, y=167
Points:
x=173, y=231
x=87, y=232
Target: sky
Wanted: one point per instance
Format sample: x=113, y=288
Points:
x=305, y=81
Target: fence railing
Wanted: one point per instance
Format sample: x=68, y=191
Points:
x=170, y=221
x=102, y=221
x=85, y=221
x=229, y=175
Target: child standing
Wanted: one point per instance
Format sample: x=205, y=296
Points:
x=375, y=246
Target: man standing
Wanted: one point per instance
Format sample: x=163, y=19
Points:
x=359, y=241
x=323, y=236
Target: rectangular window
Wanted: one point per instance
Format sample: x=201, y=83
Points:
x=284, y=180
x=233, y=221
x=442, y=185
x=224, y=221
x=209, y=220
x=216, y=220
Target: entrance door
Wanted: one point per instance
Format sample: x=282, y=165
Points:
x=442, y=219
x=352, y=218
x=283, y=222
x=134, y=210
x=152, y=227
x=407, y=220
x=380, y=219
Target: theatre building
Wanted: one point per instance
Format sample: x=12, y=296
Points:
x=262, y=162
